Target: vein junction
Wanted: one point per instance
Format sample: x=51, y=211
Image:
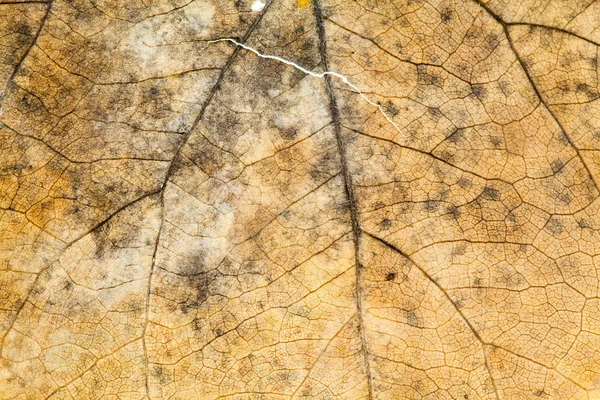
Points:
x=315, y=74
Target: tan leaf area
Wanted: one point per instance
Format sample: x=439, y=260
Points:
x=299, y=199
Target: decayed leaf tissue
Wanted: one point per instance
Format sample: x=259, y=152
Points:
x=299, y=199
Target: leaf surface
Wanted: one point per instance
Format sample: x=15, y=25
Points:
x=353, y=200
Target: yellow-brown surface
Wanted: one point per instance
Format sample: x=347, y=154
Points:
x=185, y=219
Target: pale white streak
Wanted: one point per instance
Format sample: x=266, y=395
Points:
x=315, y=74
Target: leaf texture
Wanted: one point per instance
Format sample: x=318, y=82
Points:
x=185, y=217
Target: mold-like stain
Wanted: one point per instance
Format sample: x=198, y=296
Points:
x=477, y=282
x=459, y=250
x=446, y=16
x=391, y=109
x=554, y=226
x=162, y=377
x=427, y=78
x=68, y=286
x=492, y=41
x=491, y=193
x=207, y=157
x=510, y=217
x=100, y=240
x=457, y=136
x=196, y=325
x=196, y=279
x=25, y=34
x=289, y=134
x=454, y=212
x=435, y=112
x=495, y=141
x=557, y=166
x=413, y=319
x=431, y=206
x=479, y=91
x=385, y=223
x=464, y=183
x=589, y=91
x=390, y=276
x=564, y=198
x=327, y=164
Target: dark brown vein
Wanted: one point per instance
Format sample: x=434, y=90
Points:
x=337, y=128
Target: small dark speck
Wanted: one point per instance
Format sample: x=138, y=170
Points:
x=300, y=29
x=68, y=285
x=386, y=223
x=219, y=332
x=390, y=276
x=446, y=16
x=496, y=141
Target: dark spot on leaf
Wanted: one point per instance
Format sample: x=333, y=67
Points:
x=289, y=133
x=496, y=141
x=446, y=16
x=386, y=223
x=431, y=205
x=391, y=109
x=456, y=136
x=196, y=324
x=390, y=276
x=554, y=226
x=454, y=211
x=413, y=319
x=478, y=91
x=491, y=193
x=435, y=112
x=195, y=279
x=557, y=166
x=464, y=183
x=460, y=249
